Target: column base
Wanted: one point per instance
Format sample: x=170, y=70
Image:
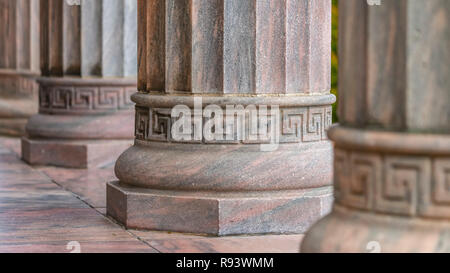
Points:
x=82, y=122
x=217, y=213
x=73, y=153
x=349, y=231
x=391, y=194
x=225, y=186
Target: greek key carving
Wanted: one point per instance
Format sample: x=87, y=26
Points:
x=398, y=192
x=393, y=184
x=365, y=171
x=160, y=124
x=436, y=198
x=441, y=185
x=306, y=124
x=142, y=123
x=75, y=100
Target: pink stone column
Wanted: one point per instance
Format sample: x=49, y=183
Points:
x=89, y=67
x=207, y=55
x=19, y=64
x=392, y=147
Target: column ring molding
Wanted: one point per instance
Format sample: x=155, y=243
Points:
x=172, y=100
x=390, y=142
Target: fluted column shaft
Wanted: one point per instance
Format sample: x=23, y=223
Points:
x=89, y=65
x=19, y=63
x=392, y=156
x=207, y=56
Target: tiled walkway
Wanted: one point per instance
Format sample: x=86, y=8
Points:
x=44, y=209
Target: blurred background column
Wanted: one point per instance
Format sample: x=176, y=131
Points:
x=392, y=157
x=89, y=67
x=207, y=55
x=19, y=64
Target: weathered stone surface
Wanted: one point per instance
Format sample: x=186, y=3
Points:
x=72, y=153
x=392, y=148
x=235, y=47
x=88, y=63
x=44, y=209
x=19, y=64
x=219, y=213
x=225, y=167
x=248, y=54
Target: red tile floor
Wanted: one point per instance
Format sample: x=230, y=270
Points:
x=43, y=209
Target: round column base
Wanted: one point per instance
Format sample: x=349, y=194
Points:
x=82, y=122
x=112, y=126
x=391, y=194
x=350, y=231
x=77, y=141
x=225, y=167
x=221, y=189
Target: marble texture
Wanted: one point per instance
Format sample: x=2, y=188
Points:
x=36, y=215
x=43, y=209
x=392, y=146
x=229, y=53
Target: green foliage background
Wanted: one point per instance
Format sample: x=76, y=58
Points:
x=334, y=56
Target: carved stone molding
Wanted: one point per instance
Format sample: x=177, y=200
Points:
x=413, y=186
x=391, y=188
x=295, y=125
x=85, y=98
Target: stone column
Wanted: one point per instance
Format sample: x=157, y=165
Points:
x=19, y=64
x=209, y=56
x=392, y=157
x=89, y=70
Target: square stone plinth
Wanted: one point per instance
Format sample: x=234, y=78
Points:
x=73, y=154
x=217, y=213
